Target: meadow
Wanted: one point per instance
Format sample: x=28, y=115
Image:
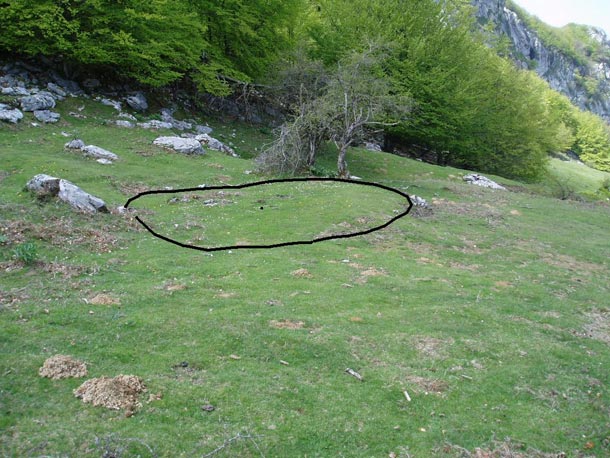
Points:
x=481, y=323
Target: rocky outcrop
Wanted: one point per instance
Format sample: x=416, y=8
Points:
x=484, y=182
x=217, y=145
x=8, y=114
x=46, y=116
x=179, y=144
x=41, y=101
x=46, y=185
x=563, y=73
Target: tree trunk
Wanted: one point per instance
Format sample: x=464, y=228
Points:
x=341, y=163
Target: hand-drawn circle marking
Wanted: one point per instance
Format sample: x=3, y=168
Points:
x=259, y=183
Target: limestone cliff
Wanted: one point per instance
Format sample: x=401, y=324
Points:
x=582, y=75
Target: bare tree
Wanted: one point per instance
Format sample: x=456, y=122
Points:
x=357, y=96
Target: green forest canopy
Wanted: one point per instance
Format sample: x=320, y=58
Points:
x=468, y=102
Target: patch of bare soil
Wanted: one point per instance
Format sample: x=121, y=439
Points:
x=286, y=324
x=599, y=326
x=62, y=366
x=67, y=271
x=570, y=263
x=370, y=272
x=120, y=392
x=428, y=385
x=431, y=347
x=301, y=273
x=104, y=299
x=172, y=286
x=506, y=449
x=62, y=232
x=13, y=297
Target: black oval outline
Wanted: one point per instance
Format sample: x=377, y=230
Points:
x=275, y=245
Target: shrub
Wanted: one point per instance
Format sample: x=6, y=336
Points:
x=26, y=253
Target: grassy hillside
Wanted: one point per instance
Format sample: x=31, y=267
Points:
x=490, y=310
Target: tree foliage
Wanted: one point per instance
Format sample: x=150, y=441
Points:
x=154, y=42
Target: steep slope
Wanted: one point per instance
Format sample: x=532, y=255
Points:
x=575, y=60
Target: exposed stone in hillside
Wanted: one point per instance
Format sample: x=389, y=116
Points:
x=15, y=90
x=46, y=185
x=562, y=72
x=55, y=89
x=215, y=144
x=480, y=180
x=77, y=143
x=137, y=102
x=155, y=124
x=99, y=153
x=124, y=123
x=8, y=114
x=46, y=116
x=179, y=144
x=42, y=101
x=167, y=116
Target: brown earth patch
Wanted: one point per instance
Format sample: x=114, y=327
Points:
x=599, y=326
x=503, y=284
x=131, y=188
x=506, y=449
x=63, y=232
x=301, y=273
x=459, y=265
x=62, y=366
x=428, y=385
x=225, y=295
x=67, y=271
x=368, y=273
x=104, y=299
x=431, y=347
x=287, y=324
x=570, y=263
x=120, y=392
x=173, y=286
x=13, y=297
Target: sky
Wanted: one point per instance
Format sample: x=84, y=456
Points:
x=561, y=12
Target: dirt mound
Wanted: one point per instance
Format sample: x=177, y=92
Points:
x=62, y=366
x=120, y=392
x=301, y=273
x=104, y=299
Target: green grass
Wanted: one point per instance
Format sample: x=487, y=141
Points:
x=491, y=311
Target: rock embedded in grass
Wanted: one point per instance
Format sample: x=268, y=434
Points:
x=181, y=145
x=480, y=180
x=99, y=153
x=8, y=114
x=46, y=185
x=46, y=116
x=42, y=101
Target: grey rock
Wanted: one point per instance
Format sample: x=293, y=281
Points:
x=79, y=199
x=203, y=129
x=124, y=123
x=110, y=103
x=71, y=87
x=137, y=102
x=42, y=101
x=179, y=144
x=46, y=116
x=104, y=161
x=372, y=146
x=480, y=180
x=154, y=124
x=55, y=89
x=215, y=144
x=77, y=143
x=167, y=116
x=127, y=116
x=15, y=90
x=12, y=115
x=99, y=153
x=43, y=185
x=419, y=202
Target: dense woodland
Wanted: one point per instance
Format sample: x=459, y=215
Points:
x=455, y=95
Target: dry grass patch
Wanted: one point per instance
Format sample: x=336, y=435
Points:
x=599, y=326
x=120, y=392
x=286, y=324
x=431, y=347
x=428, y=385
x=104, y=299
x=301, y=273
x=506, y=449
x=62, y=366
